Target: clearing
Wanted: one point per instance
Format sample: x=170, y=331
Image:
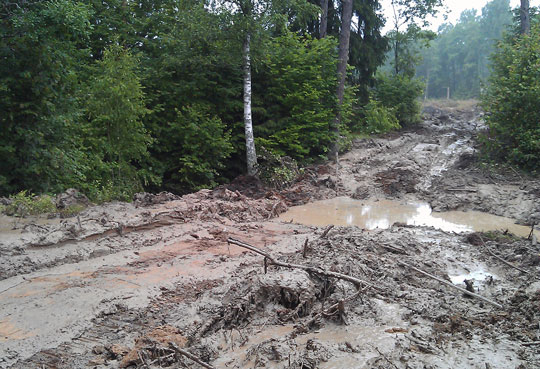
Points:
x=135, y=284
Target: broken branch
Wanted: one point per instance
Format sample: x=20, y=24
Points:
x=309, y=269
x=325, y=233
x=189, y=356
x=449, y=284
x=501, y=259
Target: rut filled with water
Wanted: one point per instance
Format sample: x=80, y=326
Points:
x=373, y=214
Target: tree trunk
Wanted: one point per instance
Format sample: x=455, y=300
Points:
x=251, y=154
x=323, y=28
x=343, y=56
x=524, y=17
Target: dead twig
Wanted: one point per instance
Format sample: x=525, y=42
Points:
x=501, y=259
x=304, y=253
x=393, y=248
x=384, y=356
x=506, y=262
x=309, y=269
x=189, y=356
x=450, y=284
x=533, y=343
x=422, y=345
x=461, y=189
x=325, y=233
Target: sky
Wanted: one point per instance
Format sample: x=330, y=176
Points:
x=454, y=7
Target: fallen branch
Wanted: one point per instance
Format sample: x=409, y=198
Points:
x=384, y=356
x=531, y=234
x=422, y=345
x=309, y=269
x=189, y=356
x=392, y=248
x=461, y=189
x=501, y=259
x=450, y=284
x=533, y=343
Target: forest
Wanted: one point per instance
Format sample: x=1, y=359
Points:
x=118, y=96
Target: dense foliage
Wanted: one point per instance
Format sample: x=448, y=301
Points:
x=118, y=96
x=512, y=100
x=400, y=92
x=298, y=100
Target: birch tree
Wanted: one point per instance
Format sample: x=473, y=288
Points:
x=254, y=19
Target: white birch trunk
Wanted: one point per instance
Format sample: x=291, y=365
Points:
x=251, y=154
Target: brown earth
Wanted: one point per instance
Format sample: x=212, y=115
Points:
x=114, y=286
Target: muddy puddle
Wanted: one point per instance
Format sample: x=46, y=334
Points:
x=373, y=214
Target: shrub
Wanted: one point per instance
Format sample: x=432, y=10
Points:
x=401, y=93
x=512, y=100
x=24, y=204
x=377, y=119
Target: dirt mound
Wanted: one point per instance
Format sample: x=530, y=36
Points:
x=148, y=199
x=397, y=180
x=71, y=197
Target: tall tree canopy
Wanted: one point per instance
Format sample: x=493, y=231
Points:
x=457, y=61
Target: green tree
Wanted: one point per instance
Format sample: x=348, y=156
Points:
x=191, y=71
x=115, y=107
x=298, y=102
x=40, y=49
x=512, y=100
x=408, y=17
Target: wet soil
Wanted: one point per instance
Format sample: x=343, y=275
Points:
x=120, y=285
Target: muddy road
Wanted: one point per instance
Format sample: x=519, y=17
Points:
x=135, y=285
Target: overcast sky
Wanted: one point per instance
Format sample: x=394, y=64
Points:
x=455, y=7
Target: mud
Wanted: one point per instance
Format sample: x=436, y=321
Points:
x=114, y=286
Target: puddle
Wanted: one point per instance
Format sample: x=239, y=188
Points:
x=477, y=275
x=373, y=214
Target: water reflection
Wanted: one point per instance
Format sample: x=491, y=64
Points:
x=374, y=214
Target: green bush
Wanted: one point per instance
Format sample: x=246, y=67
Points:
x=24, y=204
x=512, y=102
x=274, y=170
x=377, y=119
x=400, y=93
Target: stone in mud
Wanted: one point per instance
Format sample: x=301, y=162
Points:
x=71, y=197
x=269, y=350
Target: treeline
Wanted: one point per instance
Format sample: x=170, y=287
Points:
x=456, y=63
x=113, y=97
